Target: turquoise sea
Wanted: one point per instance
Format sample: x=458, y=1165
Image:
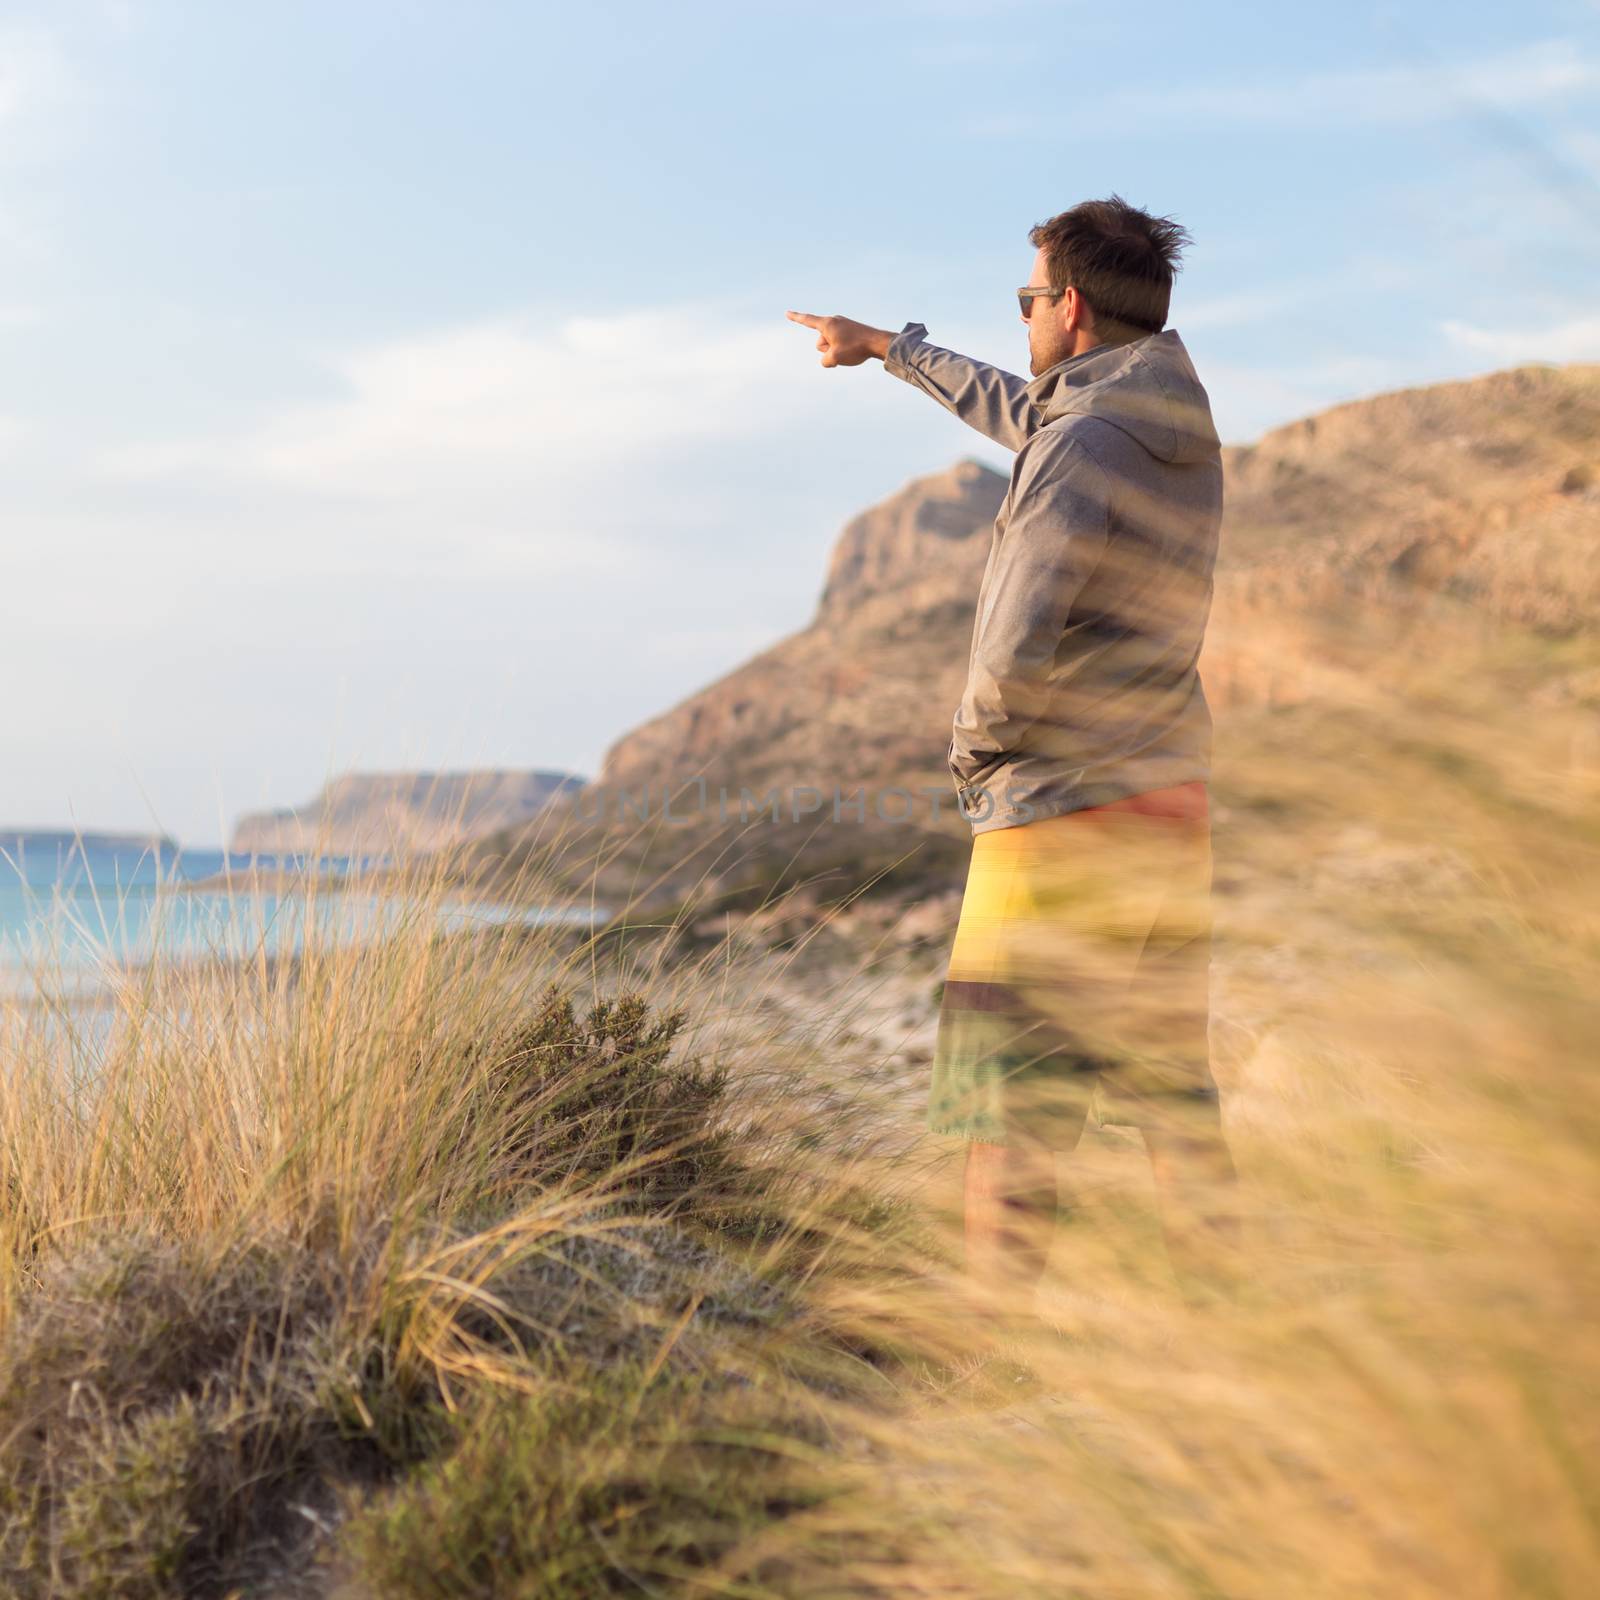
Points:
x=74, y=904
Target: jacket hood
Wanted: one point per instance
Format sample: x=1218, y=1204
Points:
x=1147, y=387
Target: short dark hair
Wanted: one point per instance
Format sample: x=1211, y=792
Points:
x=1119, y=258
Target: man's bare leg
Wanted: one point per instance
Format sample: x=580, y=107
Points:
x=1010, y=1214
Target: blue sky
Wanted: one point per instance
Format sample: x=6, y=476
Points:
x=408, y=384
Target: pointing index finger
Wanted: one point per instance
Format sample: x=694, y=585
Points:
x=805, y=317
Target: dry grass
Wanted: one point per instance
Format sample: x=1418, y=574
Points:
x=280, y=1230
x=441, y=1267
x=1398, y=1394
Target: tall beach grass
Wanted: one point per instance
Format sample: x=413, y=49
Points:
x=522, y=1261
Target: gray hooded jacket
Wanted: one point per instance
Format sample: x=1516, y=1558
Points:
x=1082, y=682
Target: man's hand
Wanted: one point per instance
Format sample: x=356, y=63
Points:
x=844, y=343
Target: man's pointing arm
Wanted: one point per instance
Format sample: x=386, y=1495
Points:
x=993, y=401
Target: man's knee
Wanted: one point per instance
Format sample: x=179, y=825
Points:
x=1017, y=1173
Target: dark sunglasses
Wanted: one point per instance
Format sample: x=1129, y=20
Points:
x=1026, y=297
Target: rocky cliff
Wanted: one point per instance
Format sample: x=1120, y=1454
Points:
x=854, y=695
x=1482, y=494
x=1347, y=536
x=364, y=813
x=1477, y=500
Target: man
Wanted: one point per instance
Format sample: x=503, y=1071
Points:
x=1081, y=749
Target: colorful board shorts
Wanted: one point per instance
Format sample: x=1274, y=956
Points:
x=1081, y=964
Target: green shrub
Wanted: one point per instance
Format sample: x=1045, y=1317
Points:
x=169, y=1405
x=587, y=1099
x=621, y=1486
x=158, y=1408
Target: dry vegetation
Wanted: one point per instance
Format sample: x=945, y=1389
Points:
x=515, y=1263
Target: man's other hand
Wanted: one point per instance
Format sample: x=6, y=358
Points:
x=844, y=343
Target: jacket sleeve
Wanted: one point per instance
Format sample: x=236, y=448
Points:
x=987, y=398
x=1050, y=544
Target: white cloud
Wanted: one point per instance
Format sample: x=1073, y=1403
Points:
x=1577, y=339
x=506, y=402
x=603, y=448
x=514, y=538
x=32, y=71
x=1536, y=75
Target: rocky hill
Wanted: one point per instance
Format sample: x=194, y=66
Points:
x=1478, y=498
x=379, y=813
x=852, y=696
x=1487, y=491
